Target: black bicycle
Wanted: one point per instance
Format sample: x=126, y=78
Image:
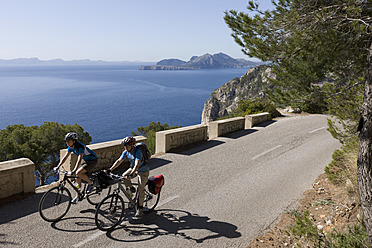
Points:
x=56, y=202
x=110, y=211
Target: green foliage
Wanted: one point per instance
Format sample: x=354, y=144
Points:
x=41, y=144
x=150, y=133
x=308, y=43
x=346, y=107
x=305, y=227
x=260, y=105
x=343, y=168
x=322, y=202
x=306, y=232
x=355, y=237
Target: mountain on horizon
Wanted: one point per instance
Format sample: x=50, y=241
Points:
x=206, y=61
x=36, y=61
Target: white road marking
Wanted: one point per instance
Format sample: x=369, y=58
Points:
x=266, y=152
x=90, y=238
x=318, y=129
x=168, y=200
x=99, y=233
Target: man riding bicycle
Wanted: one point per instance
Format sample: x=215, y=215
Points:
x=137, y=166
x=87, y=159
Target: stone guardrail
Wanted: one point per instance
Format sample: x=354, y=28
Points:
x=17, y=176
x=222, y=127
x=252, y=120
x=170, y=139
x=174, y=138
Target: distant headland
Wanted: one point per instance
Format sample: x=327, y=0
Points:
x=206, y=61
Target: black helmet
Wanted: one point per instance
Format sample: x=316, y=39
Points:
x=128, y=140
x=71, y=136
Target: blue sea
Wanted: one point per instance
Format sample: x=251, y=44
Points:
x=108, y=101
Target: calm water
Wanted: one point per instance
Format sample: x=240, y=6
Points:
x=107, y=101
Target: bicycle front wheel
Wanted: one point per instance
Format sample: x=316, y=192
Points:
x=109, y=212
x=55, y=203
x=151, y=201
x=97, y=195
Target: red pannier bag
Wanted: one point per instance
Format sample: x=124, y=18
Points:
x=155, y=183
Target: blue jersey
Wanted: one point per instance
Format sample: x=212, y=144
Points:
x=133, y=157
x=80, y=148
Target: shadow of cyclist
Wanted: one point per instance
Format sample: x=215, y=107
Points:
x=176, y=223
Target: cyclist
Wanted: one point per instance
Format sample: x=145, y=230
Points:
x=137, y=166
x=86, y=161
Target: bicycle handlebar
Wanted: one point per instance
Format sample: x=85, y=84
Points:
x=121, y=178
x=69, y=174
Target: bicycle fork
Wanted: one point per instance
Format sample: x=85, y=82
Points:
x=59, y=196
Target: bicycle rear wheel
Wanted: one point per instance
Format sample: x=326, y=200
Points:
x=151, y=201
x=109, y=212
x=97, y=195
x=55, y=203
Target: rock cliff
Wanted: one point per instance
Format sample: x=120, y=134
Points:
x=226, y=98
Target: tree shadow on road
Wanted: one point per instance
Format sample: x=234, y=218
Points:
x=178, y=223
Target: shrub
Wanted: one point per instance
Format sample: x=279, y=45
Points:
x=307, y=233
x=150, y=133
x=343, y=168
x=259, y=105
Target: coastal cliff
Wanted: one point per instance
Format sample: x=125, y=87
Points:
x=226, y=98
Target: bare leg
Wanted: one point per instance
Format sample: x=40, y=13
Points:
x=81, y=173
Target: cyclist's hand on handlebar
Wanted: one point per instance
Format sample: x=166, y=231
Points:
x=130, y=176
x=55, y=169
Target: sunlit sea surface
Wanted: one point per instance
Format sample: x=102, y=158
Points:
x=108, y=101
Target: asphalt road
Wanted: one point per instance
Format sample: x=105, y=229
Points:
x=221, y=193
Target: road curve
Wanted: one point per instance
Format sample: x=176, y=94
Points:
x=221, y=193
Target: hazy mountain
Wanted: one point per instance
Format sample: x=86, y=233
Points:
x=206, y=61
x=36, y=61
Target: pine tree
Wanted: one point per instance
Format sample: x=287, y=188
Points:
x=310, y=41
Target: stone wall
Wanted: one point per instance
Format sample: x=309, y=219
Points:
x=17, y=176
x=252, y=120
x=169, y=140
x=174, y=138
x=222, y=127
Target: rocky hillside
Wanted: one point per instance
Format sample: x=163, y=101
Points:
x=226, y=98
x=206, y=61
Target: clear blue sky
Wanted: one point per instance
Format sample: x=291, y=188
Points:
x=117, y=30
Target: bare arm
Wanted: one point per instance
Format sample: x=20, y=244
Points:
x=63, y=159
x=78, y=162
x=136, y=166
x=116, y=164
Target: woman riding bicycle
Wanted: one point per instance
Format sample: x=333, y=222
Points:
x=137, y=165
x=87, y=159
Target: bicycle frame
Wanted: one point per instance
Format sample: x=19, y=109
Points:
x=66, y=179
x=132, y=200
